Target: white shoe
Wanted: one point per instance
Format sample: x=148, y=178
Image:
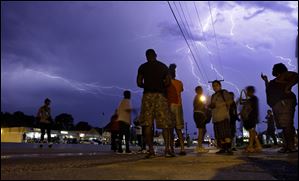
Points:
x=201, y=150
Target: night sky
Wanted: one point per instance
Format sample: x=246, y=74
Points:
x=82, y=55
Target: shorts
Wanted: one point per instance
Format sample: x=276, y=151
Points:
x=154, y=106
x=199, y=119
x=177, y=116
x=222, y=129
x=248, y=124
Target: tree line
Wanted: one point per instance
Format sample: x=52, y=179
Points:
x=63, y=121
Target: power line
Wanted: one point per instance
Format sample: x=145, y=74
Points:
x=192, y=37
x=188, y=32
x=203, y=34
x=184, y=36
x=186, y=29
x=201, y=27
x=215, y=38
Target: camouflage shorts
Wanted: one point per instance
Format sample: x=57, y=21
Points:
x=155, y=106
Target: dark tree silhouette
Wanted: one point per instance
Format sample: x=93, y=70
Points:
x=64, y=121
x=17, y=119
x=83, y=126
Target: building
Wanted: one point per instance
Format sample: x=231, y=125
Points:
x=32, y=135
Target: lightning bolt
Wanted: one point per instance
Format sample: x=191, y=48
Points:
x=189, y=58
x=208, y=20
x=205, y=47
x=206, y=26
x=92, y=88
x=250, y=48
x=193, y=68
x=217, y=72
x=288, y=60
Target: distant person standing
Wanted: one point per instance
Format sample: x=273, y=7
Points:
x=24, y=137
x=270, y=127
x=283, y=102
x=154, y=78
x=201, y=117
x=114, y=130
x=175, y=102
x=45, y=121
x=124, y=118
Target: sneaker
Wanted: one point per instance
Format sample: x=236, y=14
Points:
x=196, y=149
x=221, y=151
x=201, y=150
x=150, y=155
x=249, y=150
x=169, y=154
x=145, y=151
x=234, y=149
x=119, y=152
x=128, y=152
x=172, y=153
x=229, y=152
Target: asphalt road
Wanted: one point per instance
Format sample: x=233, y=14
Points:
x=65, y=162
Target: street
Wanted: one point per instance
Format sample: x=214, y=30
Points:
x=62, y=162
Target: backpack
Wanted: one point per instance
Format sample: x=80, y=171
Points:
x=245, y=111
x=208, y=115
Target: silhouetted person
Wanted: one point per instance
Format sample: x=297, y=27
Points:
x=175, y=103
x=154, y=78
x=200, y=116
x=45, y=121
x=24, y=137
x=114, y=130
x=124, y=118
x=220, y=105
x=283, y=102
x=270, y=127
x=249, y=116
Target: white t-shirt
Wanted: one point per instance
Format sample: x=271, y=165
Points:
x=221, y=110
x=123, y=114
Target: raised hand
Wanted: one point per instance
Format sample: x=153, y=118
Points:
x=264, y=77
